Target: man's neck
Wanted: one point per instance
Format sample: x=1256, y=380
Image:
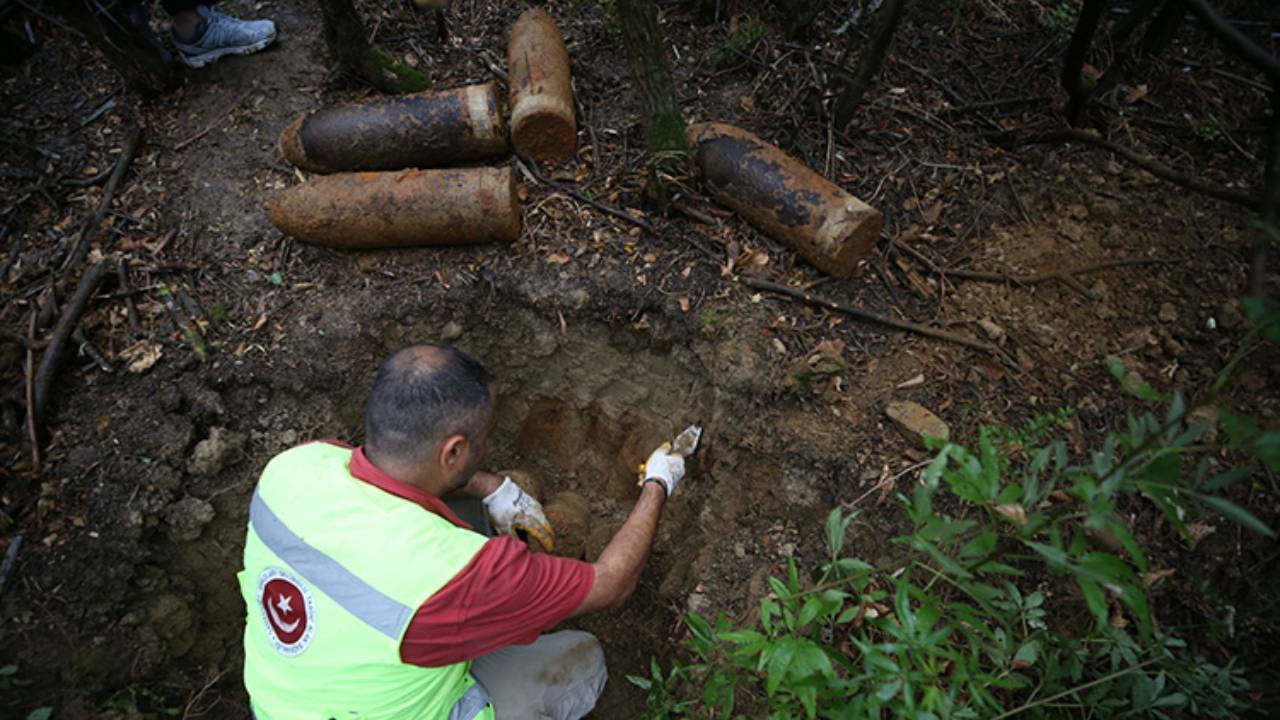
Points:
x=408, y=473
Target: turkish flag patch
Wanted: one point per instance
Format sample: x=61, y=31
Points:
x=288, y=611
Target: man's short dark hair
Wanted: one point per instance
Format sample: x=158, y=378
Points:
x=422, y=395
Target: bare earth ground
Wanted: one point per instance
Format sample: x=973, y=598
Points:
x=604, y=339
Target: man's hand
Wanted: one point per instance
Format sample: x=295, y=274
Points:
x=512, y=509
x=665, y=467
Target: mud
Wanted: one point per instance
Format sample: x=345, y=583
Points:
x=401, y=209
x=826, y=225
x=427, y=129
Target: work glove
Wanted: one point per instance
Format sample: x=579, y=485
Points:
x=665, y=467
x=512, y=509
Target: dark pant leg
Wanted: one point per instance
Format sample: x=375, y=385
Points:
x=174, y=7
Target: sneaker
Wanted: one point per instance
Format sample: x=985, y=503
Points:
x=219, y=34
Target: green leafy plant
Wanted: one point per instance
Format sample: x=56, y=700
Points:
x=1021, y=590
x=1061, y=18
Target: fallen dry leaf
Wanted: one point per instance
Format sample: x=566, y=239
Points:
x=1014, y=512
x=557, y=258
x=142, y=355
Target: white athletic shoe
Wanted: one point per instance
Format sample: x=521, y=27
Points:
x=221, y=34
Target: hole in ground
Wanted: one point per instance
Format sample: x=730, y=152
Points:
x=579, y=405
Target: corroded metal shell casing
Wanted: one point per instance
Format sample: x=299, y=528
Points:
x=570, y=518
x=401, y=209
x=542, y=123
x=779, y=195
x=417, y=130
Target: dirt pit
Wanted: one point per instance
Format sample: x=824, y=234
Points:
x=580, y=405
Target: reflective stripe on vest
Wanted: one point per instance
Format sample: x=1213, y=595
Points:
x=357, y=597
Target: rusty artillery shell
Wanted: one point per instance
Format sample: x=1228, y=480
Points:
x=418, y=130
x=542, y=124
x=401, y=209
x=779, y=195
x=570, y=518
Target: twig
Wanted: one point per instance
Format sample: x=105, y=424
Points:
x=91, y=223
x=1065, y=276
x=182, y=322
x=131, y=309
x=529, y=168
x=10, y=559
x=32, y=429
x=1235, y=40
x=88, y=348
x=52, y=357
x=985, y=104
x=11, y=258
x=213, y=125
x=90, y=181
x=1151, y=165
x=29, y=343
x=867, y=316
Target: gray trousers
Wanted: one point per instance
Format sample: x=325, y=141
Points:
x=559, y=676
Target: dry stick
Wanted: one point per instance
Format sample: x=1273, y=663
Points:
x=88, y=348
x=527, y=166
x=10, y=559
x=131, y=309
x=213, y=125
x=1151, y=165
x=1235, y=40
x=183, y=323
x=52, y=357
x=91, y=223
x=32, y=429
x=1066, y=276
x=867, y=316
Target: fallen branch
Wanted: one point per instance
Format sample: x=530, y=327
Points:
x=1065, y=276
x=131, y=309
x=91, y=223
x=30, y=379
x=528, y=167
x=52, y=357
x=867, y=316
x=1236, y=41
x=10, y=559
x=1151, y=165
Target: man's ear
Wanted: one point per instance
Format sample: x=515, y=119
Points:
x=453, y=451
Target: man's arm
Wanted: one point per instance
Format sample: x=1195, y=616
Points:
x=618, y=567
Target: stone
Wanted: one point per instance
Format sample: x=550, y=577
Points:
x=1078, y=212
x=993, y=331
x=451, y=331
x=1168, y=313
x=185, y=519
x=216, y=452
x=915, y=422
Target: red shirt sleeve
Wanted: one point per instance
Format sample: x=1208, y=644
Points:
x=506, y=595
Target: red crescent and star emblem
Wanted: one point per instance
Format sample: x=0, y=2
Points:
x=287, y=611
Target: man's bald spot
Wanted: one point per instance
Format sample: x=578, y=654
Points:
x=423, y=394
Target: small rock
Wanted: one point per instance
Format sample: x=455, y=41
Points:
x=1168, y=313
x=916, y=422
x=739, y=550
x=697, y=603
x=186, y=518
x=993, y=331
x=451, y=331
x=213, y=454
x=1078, y=212
x=787, y=549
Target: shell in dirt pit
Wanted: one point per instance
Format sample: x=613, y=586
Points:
x=570, y=517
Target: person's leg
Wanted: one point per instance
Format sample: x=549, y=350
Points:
x=202, y=34
x=183, y=15
x=558, y=677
